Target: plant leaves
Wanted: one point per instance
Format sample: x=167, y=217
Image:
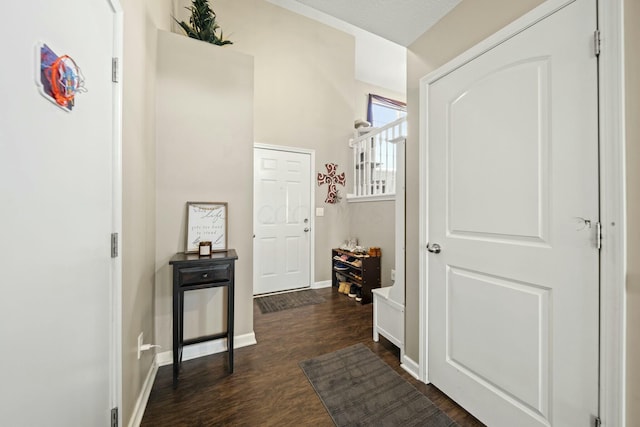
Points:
x=202, y=24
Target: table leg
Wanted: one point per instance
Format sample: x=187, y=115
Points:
x=181, y=324
x=176, y=335
x=230, y=317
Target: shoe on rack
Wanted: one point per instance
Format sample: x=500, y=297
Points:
x=341, y=287
x=357, y=263
x=353, y=290
x=347, y=288
x=359, y=294
x=340, y=267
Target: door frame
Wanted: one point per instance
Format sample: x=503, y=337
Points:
x=312, y=197
x=115, y=303
x=612, y=393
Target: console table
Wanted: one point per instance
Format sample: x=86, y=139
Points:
x=192, y=272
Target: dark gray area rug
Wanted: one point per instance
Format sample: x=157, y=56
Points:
x=279, y=302
x=359, y=389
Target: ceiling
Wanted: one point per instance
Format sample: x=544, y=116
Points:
x=401, y=21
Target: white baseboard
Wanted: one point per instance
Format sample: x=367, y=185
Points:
x=143, y=398
x=322, y=284
x=206, y=348
x=411, y=367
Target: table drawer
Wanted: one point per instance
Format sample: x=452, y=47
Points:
x=199, y=275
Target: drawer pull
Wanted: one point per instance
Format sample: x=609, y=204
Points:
x=205, y=275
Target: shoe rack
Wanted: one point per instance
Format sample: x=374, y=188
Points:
x=359, y=269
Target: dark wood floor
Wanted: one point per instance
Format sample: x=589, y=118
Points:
x=268, y=388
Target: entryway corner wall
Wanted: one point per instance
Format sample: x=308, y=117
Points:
x=204, y=130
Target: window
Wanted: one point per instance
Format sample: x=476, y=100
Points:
x=382, y=111
x=374, y=149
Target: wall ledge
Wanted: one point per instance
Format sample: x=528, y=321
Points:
x=378, y=198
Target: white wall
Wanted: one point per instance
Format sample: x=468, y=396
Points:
x=204, y=153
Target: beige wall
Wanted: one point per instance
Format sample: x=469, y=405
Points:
x=304, y=85
x=373, y=223
x=204, y=153
x=632, y=72
x=141, y=18
x=468, y=24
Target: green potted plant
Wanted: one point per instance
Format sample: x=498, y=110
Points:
x=202, y=24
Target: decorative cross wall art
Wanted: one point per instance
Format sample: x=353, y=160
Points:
x=331, y=179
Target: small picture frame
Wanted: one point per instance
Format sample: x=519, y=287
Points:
x=206, y=222
x=205, y=249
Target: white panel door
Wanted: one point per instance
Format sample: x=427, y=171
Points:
x=56, y=194
x=282, y=222
x=513, y=204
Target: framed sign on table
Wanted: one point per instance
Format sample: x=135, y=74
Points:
x=206, y=222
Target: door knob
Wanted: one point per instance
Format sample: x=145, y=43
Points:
x=433, y=248
x=306, y=229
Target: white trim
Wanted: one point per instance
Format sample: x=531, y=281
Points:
x=312, y=197
x=143, y=398
x=164, y=359
x=377, y=130
x=206, y=348
x=423, y=233
x=321, y=284
x=400, y=229
x=286, y=291
x=377, y=198
x=115, y=347
x=612, y=201
x=285, y=148
x=411, y=367
x=613, y=257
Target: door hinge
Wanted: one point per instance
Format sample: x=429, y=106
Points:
x=114, y=417
x=597, y=422
x=597, y=42
x=114, y=245
x=115, y=70
x=598, y=235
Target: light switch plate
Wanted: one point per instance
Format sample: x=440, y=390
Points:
x=319, y=211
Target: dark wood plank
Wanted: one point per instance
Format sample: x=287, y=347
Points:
x=268, y=388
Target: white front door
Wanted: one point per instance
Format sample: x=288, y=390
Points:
x=513, y=203
x=57, y=214
x=282, y=220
